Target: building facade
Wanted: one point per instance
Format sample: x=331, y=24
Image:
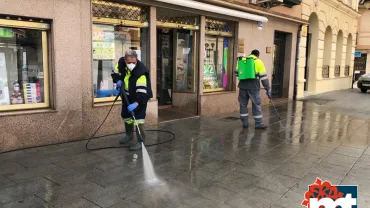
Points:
x=56, y=57
x=327, y=46
x=362, y=59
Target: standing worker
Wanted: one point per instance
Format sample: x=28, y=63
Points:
x=250, y=71
x=134, y=75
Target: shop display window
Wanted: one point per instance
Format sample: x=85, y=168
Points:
x=24, y=80
x=216, y=63
x=109, y=44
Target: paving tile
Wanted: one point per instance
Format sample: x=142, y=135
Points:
x=274, y=157
x=34, y=172
x=293, y=169
x=292, y=199
x=236, y=180
x=241, y=156
x=201, y=202
x=367, y=152
x=67, y=192
x=36, y=160
x=114, y=194
x=288, y=149
x=317, y=150
x=311, y=178
x=69, y=175
x=5, y=181
x=78, y=203
x=349, y=151
x=107, y=178
x=192, y=180
x=20, y=191
x=341, y=160
x=330, y=170
x=306, y=158
x=277, y=183
x=253, y=197
x=182, y=166
x=257, y=168
x=216, y=169
x=30, y=201
x=361, y=171
x=129, y=204
x=166, y=196
x=10, y=167
x=215, y=192
x=363, y=183
x=364, y=160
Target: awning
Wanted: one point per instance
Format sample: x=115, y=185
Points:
x=215, y=9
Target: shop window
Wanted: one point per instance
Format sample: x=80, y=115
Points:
x=116, y=29
x=184, y=73
x=24, y=80
x=218, y=56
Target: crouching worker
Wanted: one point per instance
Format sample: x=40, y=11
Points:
x=134, y=75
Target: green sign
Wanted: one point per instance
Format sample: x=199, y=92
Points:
x=6, y=33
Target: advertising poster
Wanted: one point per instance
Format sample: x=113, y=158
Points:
x=225, y=60
x=103, y=42
x=181, y=65
x=4, y=91
x=210, y=75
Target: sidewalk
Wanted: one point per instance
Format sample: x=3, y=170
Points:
x=212, y=163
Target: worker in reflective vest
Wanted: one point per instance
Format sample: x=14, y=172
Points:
x=134, y=75
x=250, y=71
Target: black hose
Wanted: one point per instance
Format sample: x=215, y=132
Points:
x=116, y=147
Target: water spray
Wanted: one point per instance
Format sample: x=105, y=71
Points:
x=273, y=105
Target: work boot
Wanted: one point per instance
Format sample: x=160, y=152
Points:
x=138, y=145
x=129, y=134
x=261, y=126
x=244, y=121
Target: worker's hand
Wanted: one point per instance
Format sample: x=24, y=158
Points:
x=132, y=107
x=268, y=93
x=236, y=72
x=119, y=85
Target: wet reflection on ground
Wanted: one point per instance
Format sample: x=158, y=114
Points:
x=213, y=162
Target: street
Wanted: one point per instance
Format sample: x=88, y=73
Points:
x=213, y=162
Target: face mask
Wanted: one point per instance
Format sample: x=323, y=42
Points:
x=131, y=66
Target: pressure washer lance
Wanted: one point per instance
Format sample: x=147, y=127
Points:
x=273, y=105
x=123, y=92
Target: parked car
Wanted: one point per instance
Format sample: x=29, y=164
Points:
x=364, y=83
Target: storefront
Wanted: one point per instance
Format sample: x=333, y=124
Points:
x=57, y=68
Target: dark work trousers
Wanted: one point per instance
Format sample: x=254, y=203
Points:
x=254, y=95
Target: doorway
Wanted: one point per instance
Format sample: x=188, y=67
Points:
x=278, y=67
x=176, y=64
x=360, y=66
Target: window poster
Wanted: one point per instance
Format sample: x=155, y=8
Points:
x=4, y=90
x=182, y=61
x=210, y=75
x=103, y=42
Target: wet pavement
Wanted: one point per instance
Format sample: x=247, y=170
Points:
x=212, y=163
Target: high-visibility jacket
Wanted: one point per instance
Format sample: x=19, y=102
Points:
x=137, y=82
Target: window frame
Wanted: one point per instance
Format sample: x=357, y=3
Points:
x=116, y=22
x=44, y=28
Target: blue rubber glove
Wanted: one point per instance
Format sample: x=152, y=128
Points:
x=132, y=107
x=268, y=93
x=119, y=84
